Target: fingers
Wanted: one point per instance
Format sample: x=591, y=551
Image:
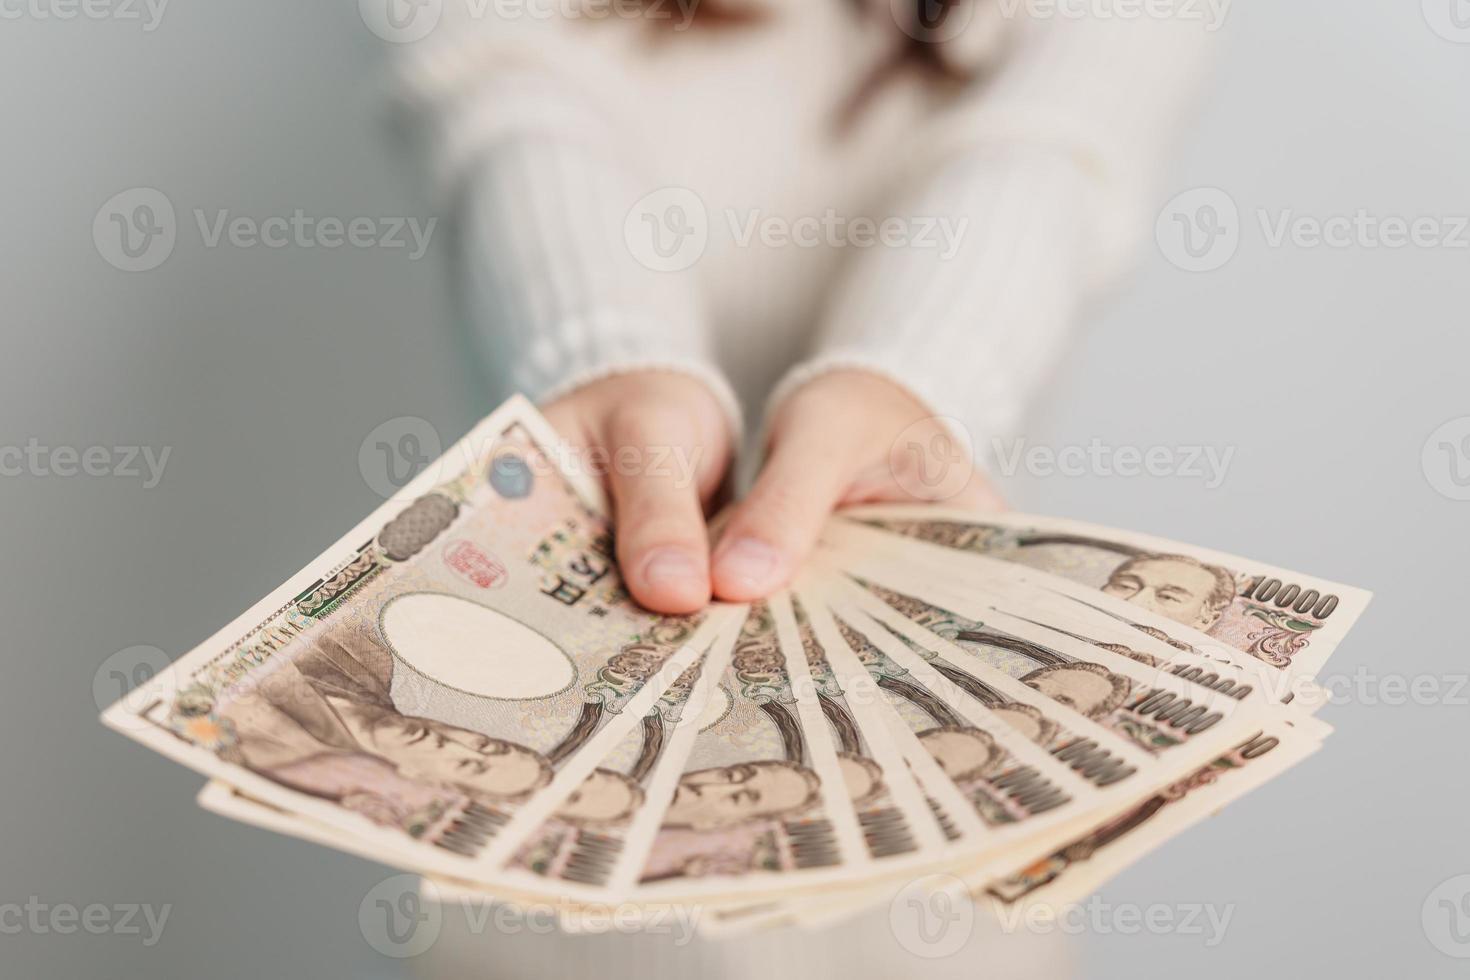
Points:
x=662, y=544
x=846, y=437
x=770, y=532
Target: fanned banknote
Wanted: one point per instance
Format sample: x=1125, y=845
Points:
x=1091, y=689
x=1073, y=865
x=1087, y=612
x=595, y=842
x=988, y=769
x=462, y=687
x=444, y=676
x=1072, y=870
x=763, y=793
x=1289, y=620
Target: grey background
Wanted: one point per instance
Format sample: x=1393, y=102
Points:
x=1325, y=369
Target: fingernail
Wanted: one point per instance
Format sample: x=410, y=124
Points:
x=750, y=564
x=669, y=566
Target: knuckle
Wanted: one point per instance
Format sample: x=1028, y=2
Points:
x=648, y=515
x=647, y=537
x=778, y=514
x=642, y=425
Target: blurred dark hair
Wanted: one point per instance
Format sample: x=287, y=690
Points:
x=921, y=22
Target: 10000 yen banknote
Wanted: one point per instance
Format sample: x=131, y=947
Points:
x=585, y=857
x=975, y=582
x=952, y=652
x=592, y=847
x=1075, y=864
x=1103, y=713
x=867, y=554
x=764, y=800
x=438, y=681
x=984, y=783
x=983, y=771
x=1288, y=620
x=1082, y=864
x=1153, y=709
x=898, y=824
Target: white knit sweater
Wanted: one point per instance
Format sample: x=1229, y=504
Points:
x=545, y=130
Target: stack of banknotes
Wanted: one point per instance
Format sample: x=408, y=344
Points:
x=1022, y=705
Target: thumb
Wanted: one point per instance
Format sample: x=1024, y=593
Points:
x=770, y=532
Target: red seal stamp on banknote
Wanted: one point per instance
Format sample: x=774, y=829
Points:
x=466, y=558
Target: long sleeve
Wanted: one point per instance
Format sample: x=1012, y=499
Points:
x=1043, y=176
x=541, y=179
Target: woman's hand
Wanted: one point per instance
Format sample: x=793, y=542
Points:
x=664, y=443
x=846, y=437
